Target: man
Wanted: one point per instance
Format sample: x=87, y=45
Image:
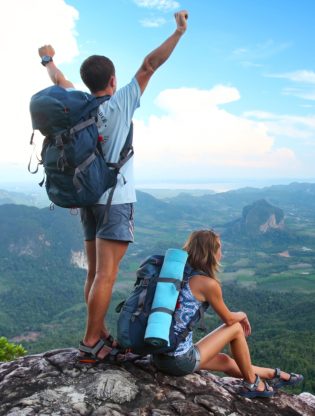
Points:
x=106, y=243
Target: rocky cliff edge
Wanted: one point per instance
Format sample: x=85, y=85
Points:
x=54, y=383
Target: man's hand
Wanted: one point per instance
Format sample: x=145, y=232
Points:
x=181, y=20
x=159, y=55
x=54, y=73
x=46, y=50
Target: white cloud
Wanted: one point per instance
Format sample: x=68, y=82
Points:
x=303, y=76
x=153, y=22
x=296, y=127
x=305, y=93
x=259, y=51
x=24, y=26
x=196, y=138
x=164, y=5
x=306, y=80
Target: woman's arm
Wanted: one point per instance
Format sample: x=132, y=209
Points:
x=206, y=289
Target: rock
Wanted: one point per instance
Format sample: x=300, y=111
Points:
x=116, y=385
x=55, y=384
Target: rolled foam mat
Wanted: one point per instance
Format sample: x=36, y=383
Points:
x=166, y=294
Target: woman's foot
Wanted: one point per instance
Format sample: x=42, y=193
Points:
x=283, y=379
x=257, y=389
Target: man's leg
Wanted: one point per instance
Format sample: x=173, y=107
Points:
x=90, y=250
x=108, y=256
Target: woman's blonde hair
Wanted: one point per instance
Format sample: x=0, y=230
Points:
x=201, y=246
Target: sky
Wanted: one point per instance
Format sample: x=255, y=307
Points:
x=235, y=101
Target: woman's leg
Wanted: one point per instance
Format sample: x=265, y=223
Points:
x=210, y=346
x=216, y=340
x=225, y=364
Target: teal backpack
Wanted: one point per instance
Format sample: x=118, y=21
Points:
x=76, y=170
x=134, y=312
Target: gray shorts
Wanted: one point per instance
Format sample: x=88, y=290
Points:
x=119, y=226
x=178, y=365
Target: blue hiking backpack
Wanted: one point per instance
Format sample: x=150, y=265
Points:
x=134, y=312
x=77, y=173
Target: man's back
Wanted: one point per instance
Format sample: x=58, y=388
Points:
x=114, y=119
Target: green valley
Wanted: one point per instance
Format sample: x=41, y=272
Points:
x=268, y=267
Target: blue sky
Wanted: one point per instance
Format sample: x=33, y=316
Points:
x=235, y=100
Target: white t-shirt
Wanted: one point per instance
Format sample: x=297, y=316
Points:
x=114, y=118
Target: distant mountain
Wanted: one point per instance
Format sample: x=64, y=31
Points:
x=36, y=197
x=258, y=219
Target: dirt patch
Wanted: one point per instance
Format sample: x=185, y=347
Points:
x=30, y=337
x=284, y=254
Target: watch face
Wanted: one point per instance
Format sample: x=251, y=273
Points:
x=46, y=59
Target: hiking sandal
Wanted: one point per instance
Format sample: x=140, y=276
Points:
x=250, y=390
x=116, y=349
x=277, y=382
x=89, y=355
x=110, y=341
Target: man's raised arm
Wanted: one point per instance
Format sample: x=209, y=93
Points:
x=47, y=52
x=157, y=57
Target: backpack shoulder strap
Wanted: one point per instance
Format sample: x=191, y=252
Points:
x=94, y=103
x=126, y=152
x=128, y=143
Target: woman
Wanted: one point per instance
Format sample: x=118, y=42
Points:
x=204, y=255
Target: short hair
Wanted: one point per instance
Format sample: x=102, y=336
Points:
x=201, y=246
x=96, y=71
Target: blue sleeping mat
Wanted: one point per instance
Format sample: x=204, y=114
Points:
x=166, y=294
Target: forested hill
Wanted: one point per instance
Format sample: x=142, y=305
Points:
x=37, y=277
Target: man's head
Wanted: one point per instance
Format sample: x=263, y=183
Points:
x=97, y=73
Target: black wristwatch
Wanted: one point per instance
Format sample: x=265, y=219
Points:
x=46, y=59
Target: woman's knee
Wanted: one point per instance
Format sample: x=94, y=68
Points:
x=225, y=360
x=237, y=329
x=228, y=363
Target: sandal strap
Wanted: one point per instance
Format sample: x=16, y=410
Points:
x=94, y=350
x=294, y=375
x=110, y=339
x=252, y=386
x=277, y=374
